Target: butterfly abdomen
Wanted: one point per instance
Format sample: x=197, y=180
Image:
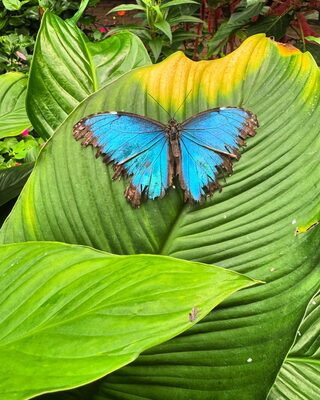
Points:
x=173, y=132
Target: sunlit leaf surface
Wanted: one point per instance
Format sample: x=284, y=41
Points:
x=13, y=115
x=71, y=314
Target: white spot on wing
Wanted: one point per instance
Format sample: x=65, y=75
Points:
x=113, y=112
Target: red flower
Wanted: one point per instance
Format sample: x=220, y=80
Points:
x=102, y=29
x=121, y=13
x=25, y=133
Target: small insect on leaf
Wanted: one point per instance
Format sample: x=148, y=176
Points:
x=193, y=315
x=306, y=228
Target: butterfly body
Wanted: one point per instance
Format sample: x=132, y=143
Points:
x=173, y=132
x=154, y=154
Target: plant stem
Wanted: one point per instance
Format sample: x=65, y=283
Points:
x=302, y=34
x=78, y=14
x=199, y=30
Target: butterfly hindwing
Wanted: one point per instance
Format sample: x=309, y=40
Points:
x=209, y=141
x=137, y=147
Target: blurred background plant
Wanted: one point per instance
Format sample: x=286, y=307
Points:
x=17, y=150
x=288, y=21
x=211, y=28
x=162, y=25
x=19, y=24
x=201, y=28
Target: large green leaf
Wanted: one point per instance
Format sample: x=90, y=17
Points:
x=250, y=226
x=299, y=377
x=67, y=68
x=71, y=314
x=13, y=115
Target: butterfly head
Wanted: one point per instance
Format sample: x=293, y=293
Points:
x=173, y=122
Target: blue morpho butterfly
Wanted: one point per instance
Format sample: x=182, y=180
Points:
x=153, y=154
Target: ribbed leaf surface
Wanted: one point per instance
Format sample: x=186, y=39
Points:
x=71, y=314
x=299, y=377
x=67, y=68
x=236, y=352
x=13, y=115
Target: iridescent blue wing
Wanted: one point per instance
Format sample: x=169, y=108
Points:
x=209, y=141
x=136, y=146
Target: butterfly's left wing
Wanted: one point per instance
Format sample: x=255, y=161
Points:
x=209, y=142
x=136, y=146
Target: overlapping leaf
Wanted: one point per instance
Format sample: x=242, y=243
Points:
x=67, y=68
x=70, y=315
x=237, y=351
x=13, y=115
x=299, y=376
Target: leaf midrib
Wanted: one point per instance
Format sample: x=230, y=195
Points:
x=92, y=68
x=163, y=249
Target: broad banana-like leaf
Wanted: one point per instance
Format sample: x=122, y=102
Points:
x=250, y=227
x=13, y=121
x=13, y=115
x=67, y=68
x=71, y=314
x=299, y=376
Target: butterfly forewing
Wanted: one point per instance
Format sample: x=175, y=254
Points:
x=136, y=146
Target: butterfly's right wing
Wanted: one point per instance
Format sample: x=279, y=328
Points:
x=136, y=146
x=210, y=141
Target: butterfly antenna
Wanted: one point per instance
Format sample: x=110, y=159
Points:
x=160, y=105
x=183, y=102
